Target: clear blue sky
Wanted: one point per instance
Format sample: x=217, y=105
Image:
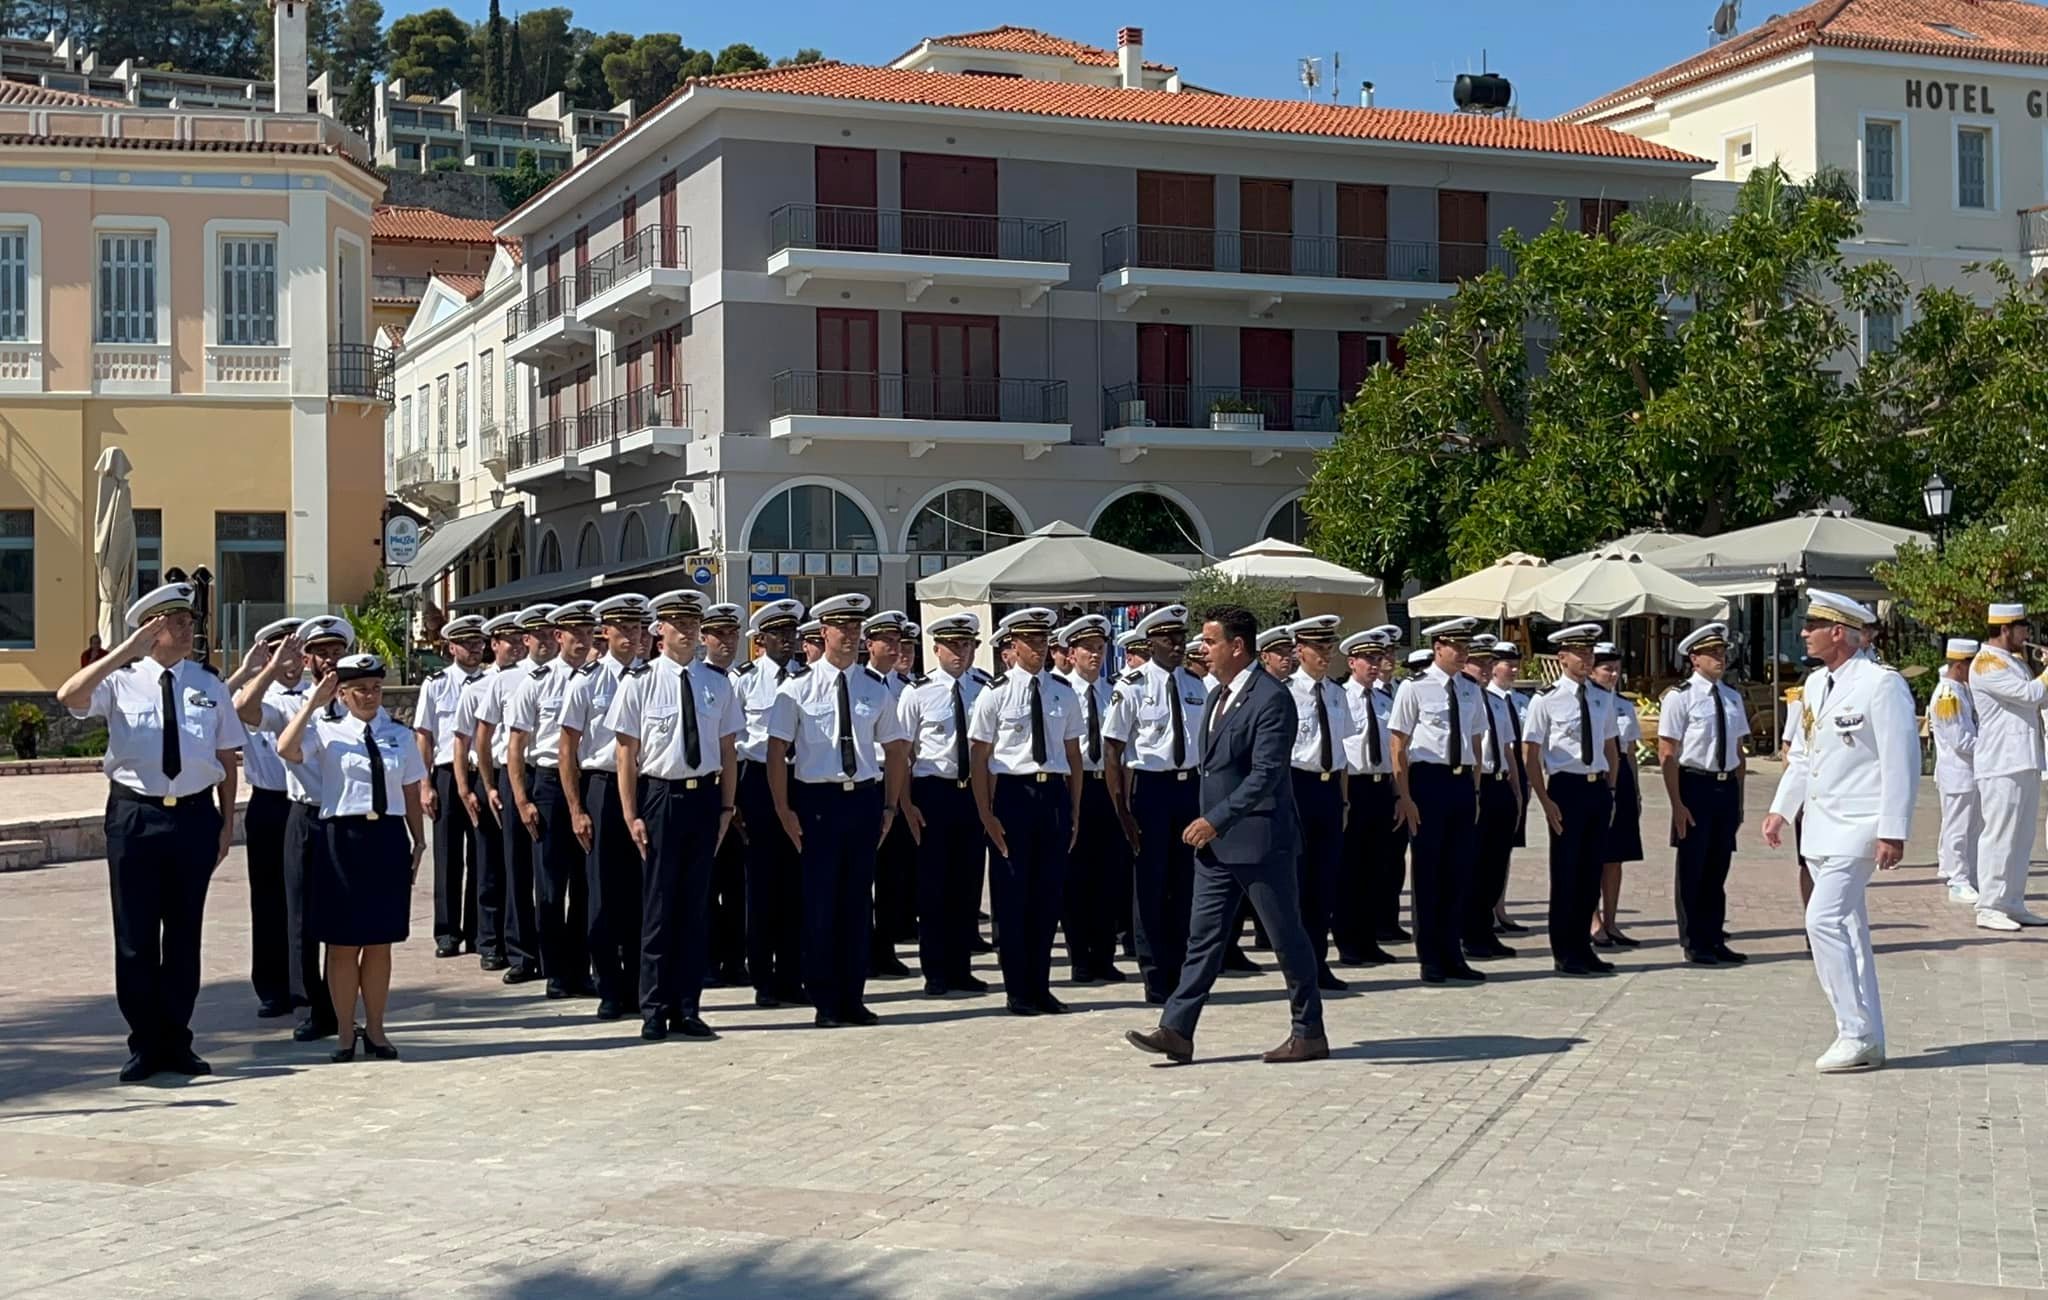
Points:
x=1558, y=53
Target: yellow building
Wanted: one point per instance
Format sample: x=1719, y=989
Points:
x=193, y=289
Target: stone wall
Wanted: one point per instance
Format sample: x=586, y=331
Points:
x=459, y=194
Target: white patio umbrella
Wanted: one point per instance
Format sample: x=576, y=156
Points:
x=113, y=537
x=1485, y=593
x=1815, y=544
x=1616, y=584
x=1318, y=586
x=1643, y=543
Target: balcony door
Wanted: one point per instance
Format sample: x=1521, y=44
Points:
x=949, y=205
x=847, y=362
x=1265, y=210
x=949, y=367
x=1163, y=376
x=668, y=219
x=1362, y=232
x=1177, y=221
x=1461, y=234
x=1265, y=367
x=846, y=199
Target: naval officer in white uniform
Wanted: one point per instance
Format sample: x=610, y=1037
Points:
x=1952, y=718
x=2008, y=696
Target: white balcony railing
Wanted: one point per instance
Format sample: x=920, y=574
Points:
x=248, y=369
x=131, y=367
x=21, y=367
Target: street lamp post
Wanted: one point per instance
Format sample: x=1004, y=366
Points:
x=1937, y=497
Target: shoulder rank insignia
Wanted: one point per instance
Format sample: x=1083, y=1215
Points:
x=1134, y=676
x=917, y=679
x=539, y=672
x=637, y=670
x=744, y=669
x=1794, y=694
x=981, y=675
x=796, y=668
x=1986, y=662
x=872, y=673
x=1947, y=707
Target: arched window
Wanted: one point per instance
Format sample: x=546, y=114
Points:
x=1289, y=524
x=682, y=534
x=1148, y=522
x=633, y=539
x=589, y=548
x=812, y=517
x=550, y=553
x=512, y=559
x=963, y=521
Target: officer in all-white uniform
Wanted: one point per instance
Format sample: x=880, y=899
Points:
x=433, y=719
x=836, y=798
x=678, y=722
x=1500, y=805
x=561, y=866
x=1025, y=746
x=774, y=887
x=1375, y=841
x=1571, y=750
x=498, y=936
x=1952, y=717
x=2008, y=761
x=1321, y=792
x=588, y=763
x=269, y=812
x=1437, y=719
x=1854, y=769
x=171, y=740
x=524, y=944
x=1099, y=870
x=938, y=803
x=1700, y=727
x=896, y=860
x=1153, y=752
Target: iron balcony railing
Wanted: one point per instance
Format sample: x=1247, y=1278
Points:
x=545, y=304
x=663, y=246
x=643, y=408
x=2034, y=229
x=546, y=441
x=930, y=234
x=423, y=466
x=1196, y=406
x=858, y=395
x=1253, y=252
x=490, y=442
x=360, y=370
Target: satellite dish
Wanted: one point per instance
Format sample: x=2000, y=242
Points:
x=1727, y=19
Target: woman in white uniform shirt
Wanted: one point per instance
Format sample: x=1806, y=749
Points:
x=370, y=770
x=1625, y=832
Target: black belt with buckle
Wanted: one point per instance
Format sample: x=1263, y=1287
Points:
x=1705, y=773
x=129, y=794
x=844, y=784
x=1177, y=773
x=1035, y=778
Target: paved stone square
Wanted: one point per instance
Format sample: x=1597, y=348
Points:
x=1659, y=1133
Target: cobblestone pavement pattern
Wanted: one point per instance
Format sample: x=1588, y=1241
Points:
x=1661, y=1132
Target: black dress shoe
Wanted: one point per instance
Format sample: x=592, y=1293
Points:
x=969, y=984
x=1236, y=963
x=582, y=988
x=384, y=1051
x=1018, y=1007
x=492, y=963
x=1434, y=977
x=1373, y=956
x=1702, y=959
x=1327, y=981
x=889, y=968
x=1571, y=968
x=1110, y=975
x=522, y=974
x=1623, y=941
x=690, y=1027
x=608, y=1009
x=1601, y=966
x=936, y=989
x=1395, y=934
x=1728, y=956
x=1051, y=1005
x=1155, y=999
x=347, y=1051
x=447, y=948
x=272, y=1010
x=139, y=1067
x=1466, y=973
x=1080, y=975
x=654, y=1028
x=769, y=1000
x=860, y=1015
x=555, y=991
x=312, y=1031
x=1163, y=1042
x=1603, y=940
x=1492, y=950
x=823, y=1021
x=1510, y=926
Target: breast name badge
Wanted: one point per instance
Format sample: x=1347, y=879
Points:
x=1846, y=725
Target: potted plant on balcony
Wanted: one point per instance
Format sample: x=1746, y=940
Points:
x=25, y=726
x=1232, y=414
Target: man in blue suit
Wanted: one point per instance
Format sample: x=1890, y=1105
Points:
x=1245, y=842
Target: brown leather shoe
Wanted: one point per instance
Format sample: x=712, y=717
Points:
x=1299, y=1049
x=1174, y=1047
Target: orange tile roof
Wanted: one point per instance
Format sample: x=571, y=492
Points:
x=1029, y=40
x=141, y=144
x=1212, y=112
x=2004, y=31
x=396, y=223
x=397, y=333
x=516, y=249
x=469, y=286
x=22, y=94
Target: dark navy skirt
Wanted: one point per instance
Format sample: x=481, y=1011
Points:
x=362, y=890
x=1625, y=832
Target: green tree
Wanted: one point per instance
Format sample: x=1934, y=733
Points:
x=521, y=181
x=805, y=55
x=1269, y=603
x=586, y=86
x=356, y=41
x=380, y=622
x=493, y=93
x=545, y=53
x=739, y=58
x=516, y=100
x=647, y=70
x=430, y=51
x=1148, y=522
x=359, y=106
x=1995, y=559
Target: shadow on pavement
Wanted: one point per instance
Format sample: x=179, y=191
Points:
x=1456, y=1047
x=2009, y=1051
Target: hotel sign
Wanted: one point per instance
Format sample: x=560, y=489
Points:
x=1966, y=97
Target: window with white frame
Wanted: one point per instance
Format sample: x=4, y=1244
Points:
x=420, y=430
x=1880, y=161
x=127, y=288
x=1880, y=332
x=14, y=284
x=511, y=400
x=404, y=424
x=1974, y=182
x=441, y=413
x=462, y=405
x=486, y=414
x=248, y=291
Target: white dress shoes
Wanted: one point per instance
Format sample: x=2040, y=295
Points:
x=1850, y=1055
x=1988, y=919
x=1959, y=892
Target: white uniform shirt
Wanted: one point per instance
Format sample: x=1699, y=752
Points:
x=586, y=709
x=1103, y=687
x=337, y=748
x=806, y=715
x=649, y=709
x=1141, y=716
x=261, y=762
x=280, y=706
x=2008, y=699
x=469, y=707
x=896, y=684
x=1371, y=706
x=758, y=681
x=536, y=709
x=1854, y=765
x=1002, y=718
x=1553, y=723
x=926, y=714
x=1498, y=736
x=1422, y=712
x=1628, y=724
x=492, y=703
x=1952, y=717
x=131, y=701
x=1308, y=733
x=440, y=697
x=1686, y=718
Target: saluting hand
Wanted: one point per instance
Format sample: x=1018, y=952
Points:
x=141, y=641
x=323, y=694
x=256, y=660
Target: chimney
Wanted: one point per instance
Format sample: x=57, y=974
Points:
x=1130, y=57
x=1365, y=95
x=288, y=45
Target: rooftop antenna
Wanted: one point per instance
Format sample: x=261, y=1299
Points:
x=1311, y=75
x=1336, y=74
x=1727, y=18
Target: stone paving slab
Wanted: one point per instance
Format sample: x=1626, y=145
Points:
x=1658, y=1133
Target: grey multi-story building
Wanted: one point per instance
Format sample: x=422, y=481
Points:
x=59, y=63
x=834, y=327
x=414, y=132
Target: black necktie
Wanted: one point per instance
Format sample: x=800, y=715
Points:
x=1180, y=724
x=1094, y=724
x=1037, y=725
x=959, y=732
x=380, y=801
x=174, y=758
x=1222, y=698
x=1514, y=719
x=848, y=763
x=1493, y=731
x=1586, y=726
x=1372, y=727
x=1720, y=727
x=693, y=752
x=1457, y=755
x=1322, y=723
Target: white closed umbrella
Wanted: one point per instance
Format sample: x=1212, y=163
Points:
x=1644, y=543
x=1485, y=593
x=113, y=539
x=1298, y=569
x=1616, y=584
